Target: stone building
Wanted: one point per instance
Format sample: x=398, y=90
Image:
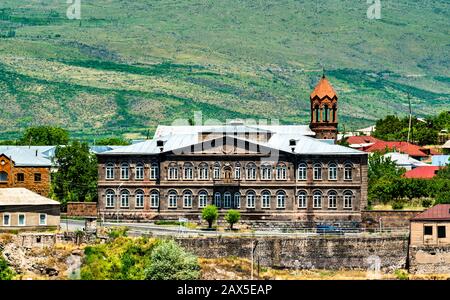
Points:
x=27, y=168
x=268, y=172
x=21, y=209
x=431, y=227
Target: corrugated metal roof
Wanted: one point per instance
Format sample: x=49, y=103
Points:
x=425, y=172
x=22, y=196
x=440, y=212
x=24, y=157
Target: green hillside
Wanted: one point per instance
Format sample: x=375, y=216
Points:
x=129, y=65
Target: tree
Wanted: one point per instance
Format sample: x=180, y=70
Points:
x=76, y=178
x=5, y=271
x=111, y=141
x=210, y=214
x=443, y=198
x=44, y=136
x=444, y=173
x=380, y=166
x=232, y=217
x=170, y=262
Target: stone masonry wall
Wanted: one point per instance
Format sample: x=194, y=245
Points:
x=429, y=259
x=389, y=218
x=316, y=253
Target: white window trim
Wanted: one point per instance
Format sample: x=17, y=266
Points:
x=154, y=169
x=262, y=201
x=136, y=199
x=335, y=200
x=121, y=201
x=109, y=166
x=45, y=223
x=320, y=172
x=202, y=200
x=142, y=166
x=113, y=200
x=351, y=201
x=9, y=219
x=184, y=200
x=170, y=197
x=314, y=202
x=278, y=202
x=152, y=204
x=351, y=172
x=329, y=172
x=299, y=202
x=254, y=200
x=24, y=220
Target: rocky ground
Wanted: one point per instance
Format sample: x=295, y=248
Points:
x=57, y=262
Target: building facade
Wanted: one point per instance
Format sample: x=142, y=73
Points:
x=24, y=168
x=268, y=172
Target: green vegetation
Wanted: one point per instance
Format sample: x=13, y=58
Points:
x=210, y=214
x=130, y=65
x=125, y=258
x=386, y=185
x=111, y=141
x=5, y=271
x=44, y=136
x=232, y=217
x=393, y=128
x=76, y=178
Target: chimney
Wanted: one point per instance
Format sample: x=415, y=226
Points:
x=36, y=153
x=160, y=145
x=292, y=144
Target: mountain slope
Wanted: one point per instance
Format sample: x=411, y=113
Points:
x=130, y=65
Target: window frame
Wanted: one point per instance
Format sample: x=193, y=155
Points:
x=188, y=169
x=305, y=194
x=24, y=220
x=281, y=195
x=332, y=166
x=154, y=171
x=441, y=232
x=172, y=172
x=21, y=175
x=425, y=227
x=154, y=203
x=202, y=199
x=227, y=204
x=172, y=196
x=124, y=170
x=45, y=219
x=122, y=194
x=300, y=168
x=348, y=166
x=187, y=196
x=139, y=166
x=140, y=193
x=108, y=199
x=264, y=194
x=350, y=200
x=109, y=171
x=317, y=193
x=319, y=173
x=330, y=200
x=253, y=194
x=9, y=219
x=37, y=177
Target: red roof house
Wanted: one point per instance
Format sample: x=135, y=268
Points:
x=440, y=212
x=427, y=172
x=402, y=147
x=361, y=142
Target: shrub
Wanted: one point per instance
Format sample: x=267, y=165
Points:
x=443, y=198
x=401, y=274
x=210, y=214
x=5, y=271
x=116, y=232
x=397, y=205
x=170, y=262
x=427, y=202
x=232, y=217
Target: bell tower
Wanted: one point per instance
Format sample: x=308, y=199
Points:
x=324, y=119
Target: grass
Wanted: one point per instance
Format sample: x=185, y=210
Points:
x=128, y=66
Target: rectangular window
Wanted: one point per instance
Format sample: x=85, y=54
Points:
x=428, y=230
x=21, y=220
x=154, y=171
x=237, y=173
x=139, y=172
x=441, y=232
x=37, y=177
x=43, y=219
x=6, y=219
x=20, y=177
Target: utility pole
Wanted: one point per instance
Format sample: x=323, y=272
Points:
x=410, y=117
x=251, y=276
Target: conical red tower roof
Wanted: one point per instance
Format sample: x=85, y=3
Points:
x=323, y=89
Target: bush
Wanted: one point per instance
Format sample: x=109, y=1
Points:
x=401, y=274
x=232, y=217
x=427, y=202
x=210, y=214
x=170, y=262
x=443, y=198
x=5, y=271
x=397, y=205
x=115, y=232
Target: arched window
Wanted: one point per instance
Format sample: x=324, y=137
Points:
x=3, y=176
x=332, y=171
x=302, y=171
x=348, y=171
x=332, y=199
x=173, y=171
x=202, y=199
x=110, y=195
x=317, y=112
x=139, y=198
x=334, y=112
x=317, y=171
x=317, y=199
x=251, y=197
x=187, y=199
x=237, y=200
x=325, y=113
x=217, y=199
x=227, y=200
x=266, y=172
x=281, y=172
x=281, y=199
x=251, y=171
x=124, y=171
x=154, y=199
x=237, y=171
x=203, y=171
x=173, y=197
x=139, y=171
x=109, y=171
x=302, y=198
x=216, y=171
x=154, y=171
x=188, y=171
x=265, y=198
x=348, y=196
x=124, y=198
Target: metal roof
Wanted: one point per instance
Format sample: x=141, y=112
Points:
x=440, y=212
x=22, y=196
x=24, y=157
